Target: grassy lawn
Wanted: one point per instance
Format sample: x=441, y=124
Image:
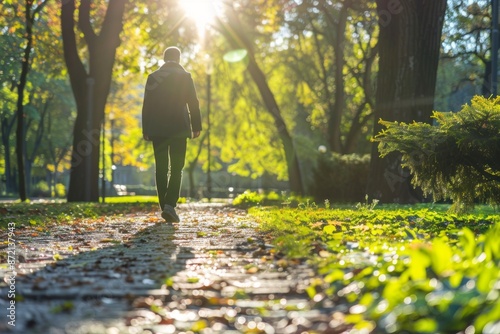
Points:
x=396, y=269
x=41, y=213
x=399, y=269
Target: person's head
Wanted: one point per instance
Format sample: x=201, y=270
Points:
x=172, y=53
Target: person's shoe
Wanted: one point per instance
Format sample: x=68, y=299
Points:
x=169, y=214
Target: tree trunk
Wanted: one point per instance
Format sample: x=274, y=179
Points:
x=25, y=64
x=409, y=45
x=486, y=87
x=355, y=130
x=7, y=125
x=30, y=13
x=294, y=174
x=237, y=37
x=37, y=141
x=335, y=118
x=90, y=90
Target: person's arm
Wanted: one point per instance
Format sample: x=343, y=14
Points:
x=194, y=108
x=146, y=111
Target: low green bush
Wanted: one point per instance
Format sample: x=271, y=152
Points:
x=41, y=189
x=60, y=190
x=458, y=158
x=341, y=178
x=254, y=198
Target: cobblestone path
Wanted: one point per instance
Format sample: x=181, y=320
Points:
x=212, y=273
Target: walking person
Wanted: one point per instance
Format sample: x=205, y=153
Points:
x=170, y=115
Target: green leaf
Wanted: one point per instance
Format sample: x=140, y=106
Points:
x=490, y=316
x=329, y=229
x=487, y=278
x=411, y=235
x=426, y=325
x=441, y=257
x=199, y=325
x=468, y=242
x=456, y=279
x=311, y=291
x=491, y=244
x=335, y=275
x=419, y=263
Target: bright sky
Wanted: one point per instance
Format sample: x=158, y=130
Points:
x=203, y=12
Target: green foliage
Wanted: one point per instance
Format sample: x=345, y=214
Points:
x=248, y=198
x=397, y=269
x=341, y=178
x=253, y=198
x=457, y=158
x=461, y=71
x=310, y=56
x=366, y=205
x=26, y=214
x=41, y=189
x=134, y=199
x=60, y=190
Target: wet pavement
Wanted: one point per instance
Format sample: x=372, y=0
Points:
x=211, y=273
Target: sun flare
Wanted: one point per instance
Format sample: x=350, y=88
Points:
x=202, y=12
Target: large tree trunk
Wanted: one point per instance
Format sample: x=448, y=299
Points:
x=292, y=161
x=237, y=37
x=90, y=89
x=409, y=45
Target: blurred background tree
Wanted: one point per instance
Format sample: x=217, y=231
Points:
x=292, y=90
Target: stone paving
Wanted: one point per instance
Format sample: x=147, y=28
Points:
x=211, y=273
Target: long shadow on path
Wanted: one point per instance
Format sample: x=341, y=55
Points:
x=211, y=273
x=90, y=292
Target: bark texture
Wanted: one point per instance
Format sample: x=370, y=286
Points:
x=90, y=89
x=409, y=45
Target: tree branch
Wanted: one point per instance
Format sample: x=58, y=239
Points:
x=74, y=64
x=112, y=24
x=84, y=22
x=38, y=9
x=39, y=131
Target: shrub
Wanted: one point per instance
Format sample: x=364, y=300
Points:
x=341, y=178
x=60, y=190
x=41, y=189
x=457, y=158
x=248, y=198
x=253, y=198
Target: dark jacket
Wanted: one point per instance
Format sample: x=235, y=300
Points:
x=169, y=92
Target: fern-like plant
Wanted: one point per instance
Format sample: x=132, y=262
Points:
x=458, y=158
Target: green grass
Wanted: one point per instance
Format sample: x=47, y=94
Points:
x=414, y=269
x=132, y=199
x=39, y=214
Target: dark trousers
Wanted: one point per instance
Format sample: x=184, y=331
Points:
x=169, y=158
